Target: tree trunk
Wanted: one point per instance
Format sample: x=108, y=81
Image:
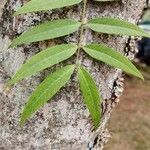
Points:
x=63, y=123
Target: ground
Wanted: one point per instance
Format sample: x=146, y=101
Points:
x=130, y=122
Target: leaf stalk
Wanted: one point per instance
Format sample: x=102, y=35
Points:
x=82, y=36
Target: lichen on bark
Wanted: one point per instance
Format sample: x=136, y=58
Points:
x=63, y=123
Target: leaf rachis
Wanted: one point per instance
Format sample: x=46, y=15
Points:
x=54, y=55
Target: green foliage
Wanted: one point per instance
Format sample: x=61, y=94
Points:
x=91, y=95
x=51, y=56
x=110, y=56
x=38, y=5
x=48, y=30
x=115, y=26
x=44, y=59
x=46, y=90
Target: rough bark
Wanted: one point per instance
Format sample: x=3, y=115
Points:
x=63, y=123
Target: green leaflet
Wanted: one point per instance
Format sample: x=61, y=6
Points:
x=110, y=56
x=91, y=95
x=115, y=26
x=38, y=5
x=44, y=59
x=48, y=30
x=46, y=90
x=51, y=56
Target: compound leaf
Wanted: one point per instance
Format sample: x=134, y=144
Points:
x=46, y=90
x=91, y=95
x=38, y=5
x=44, y=59
x=110, y=56
x=115, y=26
x=48, y=30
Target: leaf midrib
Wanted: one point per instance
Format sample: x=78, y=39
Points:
x=124, y=64
x=117, y=26
x=41, y=95
x=46, y=58
x=39, y=34
x=91, y=95
x=25, y=9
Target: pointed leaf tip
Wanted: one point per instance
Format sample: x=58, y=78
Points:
x=43, y=60
x=36, y=5
x=116, y=26
x=111, y=57
x=91, y=95
x=46, y=90
x=46, y=31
